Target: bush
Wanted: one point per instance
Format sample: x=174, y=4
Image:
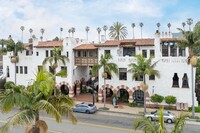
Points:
x=133, y=104
x=170, y=99
x=114, y=95
x=157, y=98
x=197, y=109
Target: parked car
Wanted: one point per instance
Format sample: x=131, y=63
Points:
x=167, y=115
x=85, y=108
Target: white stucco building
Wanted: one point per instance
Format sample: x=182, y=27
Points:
x=175, y=73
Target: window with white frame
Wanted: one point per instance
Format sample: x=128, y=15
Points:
x=122, y=73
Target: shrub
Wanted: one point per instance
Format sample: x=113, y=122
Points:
x=114, y=95
x=157, y=98
x=197, y=109
x=170, y=99
x=133, y=104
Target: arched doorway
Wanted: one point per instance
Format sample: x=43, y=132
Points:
x=64, y=90
x=123, y=95
x=138, y=97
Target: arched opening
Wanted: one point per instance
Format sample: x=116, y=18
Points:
x=123, y=95
x=64, y=90
x=175, y=80
x=138, y=97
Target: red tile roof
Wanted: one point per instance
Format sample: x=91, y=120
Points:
x=47, y=44
x=137, y=42
x=86, y=47
x=28, y=44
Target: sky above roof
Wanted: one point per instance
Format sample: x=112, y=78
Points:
x=53, y=14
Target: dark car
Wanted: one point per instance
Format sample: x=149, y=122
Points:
x=85, y=108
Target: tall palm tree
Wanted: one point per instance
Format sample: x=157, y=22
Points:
x=133, y=26
x=191, y=41
x=108, y=67
x=22, y=29
x=55, y=59
x=99, y=31
x=105, y=28
x=34, y=99
x=118, y=31
x=61, y=30
x=169, y=26
x=158, y=25
x=183, y=24
x=41, y=38
x=189, y=22
x=87, y=28
x=159, y=127
x=69, y=31
x=141, y=25
x=42, y=32
x=30, y=31
x=143, y=67
x=73, y=30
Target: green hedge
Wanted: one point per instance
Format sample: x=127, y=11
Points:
x=133, y=104
x=197, y=109
x=170, y=99
x=157, y=98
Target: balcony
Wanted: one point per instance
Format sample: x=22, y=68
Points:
x=86, y=61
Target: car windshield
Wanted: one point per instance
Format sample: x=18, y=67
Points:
x=91, y=105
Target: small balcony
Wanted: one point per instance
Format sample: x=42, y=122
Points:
x=86, y=61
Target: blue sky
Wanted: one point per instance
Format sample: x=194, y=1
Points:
x=53, y=14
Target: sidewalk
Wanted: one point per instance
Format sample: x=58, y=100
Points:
x=124, y=108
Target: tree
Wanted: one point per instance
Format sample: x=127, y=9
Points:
x=157, y=98
x=170, y=100
x=141, y=25
x=56, y=39
x=192, y=41
x=54, y=59
x=105, y=28
x=108, y=68
x=99, y=31
x=133, y=26
x=143, y=67
x=34, y=99
x=159, y=127
x=118, y=31
x=87, y=28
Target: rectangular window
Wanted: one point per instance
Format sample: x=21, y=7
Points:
x=67, y=54
x=84, y=53
x=79, y=53
x=47, y=53
x=25, y=70
x=107, y=52
x=51, y=53
x=8, y=71
x=139, y=78
x=17, y=69
x=64, y=68
x=108, y=76
x=152, y=53
x=144, y=53
x=165, y=49
x=21, y=70
x=129, y=51
x=152, y=77
x=27, y=52
x=122, y=74
x=181, y=52
x=173, y=50
x=37, y=53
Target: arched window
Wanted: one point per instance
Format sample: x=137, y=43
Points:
x=185, y=81
x=175, y=80
x=8, y=71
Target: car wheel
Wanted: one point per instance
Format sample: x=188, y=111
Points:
x=87, y=111
x=169, y=121
x=149, y=118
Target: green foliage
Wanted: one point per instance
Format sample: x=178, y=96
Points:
x=157, y=98
x=116, y=97
x=118, y=31
x=170, y=99
x=198, y=70
x=133, y=104
x=197, y=109
x=56, y=39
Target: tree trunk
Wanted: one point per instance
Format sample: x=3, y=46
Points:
x=144, y=94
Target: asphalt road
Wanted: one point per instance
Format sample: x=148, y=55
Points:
x=100, y=122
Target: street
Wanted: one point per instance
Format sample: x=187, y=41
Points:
x=94, y=123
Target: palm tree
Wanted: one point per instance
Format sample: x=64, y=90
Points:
x=42, y=32
x=108, y=67
x=159, y=127
x=34, y=99
x=61, y=30
x=191, y=41
x=169, y=26
x=41, y=38
x=73, y=30
x=31, y=31
x=105, y=28
x=118, y=31
x=141, y=25
x=70, y=30
x=133, y=26
x=183, y=24
x=143, y=67
x=158, y=25
x=87, y=28
x=22, y=29
x=54, y=59
x=99, y=31
x=189, y=22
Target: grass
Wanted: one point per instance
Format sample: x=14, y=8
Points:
x=102, y=108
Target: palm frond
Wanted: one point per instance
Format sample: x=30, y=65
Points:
x=180, y=123
x=61, y=73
